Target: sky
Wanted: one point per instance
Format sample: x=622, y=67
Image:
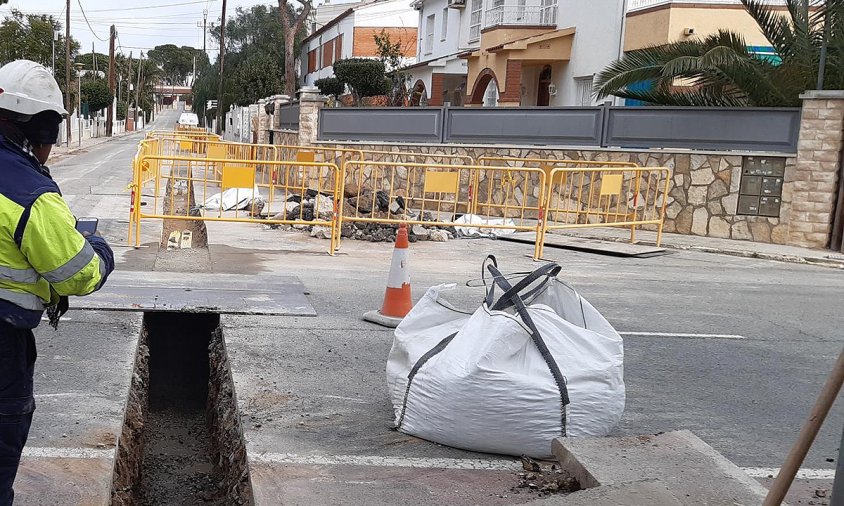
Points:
x=141, y=24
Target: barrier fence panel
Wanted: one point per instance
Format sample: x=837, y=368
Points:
x=445, y=195
x=337, y=156
x=230, y=190
x=583, y=197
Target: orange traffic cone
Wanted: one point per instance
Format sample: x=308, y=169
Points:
x=397, y=301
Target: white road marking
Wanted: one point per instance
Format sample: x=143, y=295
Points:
x=67, y=453
x=803, y=474
x=677, y=334
x=379, y=461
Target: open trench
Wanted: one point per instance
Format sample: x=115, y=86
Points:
x=181, y=441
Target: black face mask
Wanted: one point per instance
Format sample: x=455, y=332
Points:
x=43, y=128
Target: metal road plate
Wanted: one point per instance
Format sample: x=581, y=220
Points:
x=612, y=248
x=199, y=293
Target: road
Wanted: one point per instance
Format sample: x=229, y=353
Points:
x=734, y=349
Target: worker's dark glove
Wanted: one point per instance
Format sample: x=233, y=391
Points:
x=57, y=310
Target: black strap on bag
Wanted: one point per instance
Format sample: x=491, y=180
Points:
x=418, y=365
x=514, y=299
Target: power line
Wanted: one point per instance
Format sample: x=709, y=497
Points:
x=160, y=6
x=89, y=24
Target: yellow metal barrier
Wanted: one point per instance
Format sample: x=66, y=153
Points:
x=337, y=156
x=438, y=194
x=179, y=187
x=605, y=197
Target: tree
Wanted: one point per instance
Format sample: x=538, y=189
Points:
x=391, y=55
x=96, y=94
x=293, y=24
x=721, y=70
x=177, y=63
x=254, y=66
x=30, y=36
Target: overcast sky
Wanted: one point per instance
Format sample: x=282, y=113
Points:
x=141, y=24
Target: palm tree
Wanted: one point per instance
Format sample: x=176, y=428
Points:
x=720, y=69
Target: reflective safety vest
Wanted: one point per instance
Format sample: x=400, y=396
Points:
x=42, y=255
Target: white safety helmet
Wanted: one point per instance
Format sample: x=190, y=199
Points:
x=27, y=88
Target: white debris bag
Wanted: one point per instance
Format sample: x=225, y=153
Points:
x=232, y=199
x=535, y=363
x=490, y=230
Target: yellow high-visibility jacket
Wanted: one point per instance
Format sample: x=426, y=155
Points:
x=42, y=255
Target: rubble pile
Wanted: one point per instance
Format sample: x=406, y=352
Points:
x=316, y=206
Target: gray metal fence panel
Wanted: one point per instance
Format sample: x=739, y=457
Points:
x=709, y=128
x=289, y=116
x=559, y=126
x=388, y=124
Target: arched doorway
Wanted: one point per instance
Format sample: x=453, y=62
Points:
x=543, y=94
x=418, y=95
x=482, y=86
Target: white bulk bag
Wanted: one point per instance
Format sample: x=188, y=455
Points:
x=537, y=363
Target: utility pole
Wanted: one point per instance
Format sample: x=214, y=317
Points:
x=94, y=58
x=67, y=67
x=222, y=60
x=138, y=87
x=111, y=76
x=205, y=27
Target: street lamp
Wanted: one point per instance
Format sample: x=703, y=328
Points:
x=79, y=99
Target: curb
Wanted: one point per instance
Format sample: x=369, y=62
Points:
x=806, y=260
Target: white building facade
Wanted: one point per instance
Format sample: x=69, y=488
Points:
x=515, y=52
x=351, y=34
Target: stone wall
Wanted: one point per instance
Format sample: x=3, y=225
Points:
x=703, y=194
x=818, y=164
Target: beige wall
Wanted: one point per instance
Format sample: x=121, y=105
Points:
x=664, y=25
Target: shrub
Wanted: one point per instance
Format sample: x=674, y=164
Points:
x=364, y=76
x=330, y=86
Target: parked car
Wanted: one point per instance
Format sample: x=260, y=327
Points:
x=189, y=119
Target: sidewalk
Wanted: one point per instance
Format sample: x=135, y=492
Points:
x=749, y=249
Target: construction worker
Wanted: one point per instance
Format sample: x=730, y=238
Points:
x=43, y=258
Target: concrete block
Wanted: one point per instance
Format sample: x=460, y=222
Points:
x=691, y=469
x=638, y=493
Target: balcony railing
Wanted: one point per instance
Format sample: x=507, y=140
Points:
x=521, y=15
x=637, y=5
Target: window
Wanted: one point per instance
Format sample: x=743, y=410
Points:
x=429, y=34
x=328, y=53
x=312, y=67
x=475, y=20
x=584, y=90
x=444, y=30
x=338, y=48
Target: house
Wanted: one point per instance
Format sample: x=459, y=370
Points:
x=547, y=52
x=657, y=22
x=515, y=52
x=351, y=34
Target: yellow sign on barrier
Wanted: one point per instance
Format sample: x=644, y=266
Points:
x=238, y=177
x=441, y=182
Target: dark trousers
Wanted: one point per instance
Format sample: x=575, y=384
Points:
x=17, y=363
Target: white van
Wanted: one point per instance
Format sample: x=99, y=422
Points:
x=189, y=119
